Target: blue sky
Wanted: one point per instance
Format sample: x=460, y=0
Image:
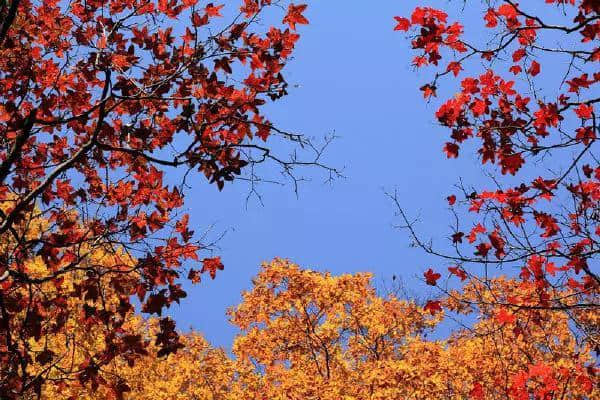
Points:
x=354, y=77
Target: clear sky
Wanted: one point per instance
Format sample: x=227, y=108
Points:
x=354, y=77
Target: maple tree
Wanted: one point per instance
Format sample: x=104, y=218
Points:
x=525, y=103
x=98, y=101
x=197, y=371
x=310, y=335
x=75, y=337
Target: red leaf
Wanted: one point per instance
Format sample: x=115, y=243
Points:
x=212, y=10
x=477, y=391
x=515, y=69
x=551, y=268
x=477, y=229
x=451, y=150
x=505, y=317
x=431, y=277
x=507, y=11
x=403, y=24
x=584, y=111
x=585, y=134
x=194, y=276
x=498, y=243
x=534, y=68
x=198, y=20
x=478, y=107
x=428, y=91
x=457, y=237
x=294, y=15
x=64, y=189
x=518, y=54
x=211, y=265
x=458, y=272
x=455, y=67
x=433, y=306
x=490, y=18
x=483, y=249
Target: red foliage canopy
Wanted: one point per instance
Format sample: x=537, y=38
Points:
x=530, y=112
x=98, y=99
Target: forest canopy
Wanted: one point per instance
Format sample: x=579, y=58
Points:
x=113, y=112
x=311, y=335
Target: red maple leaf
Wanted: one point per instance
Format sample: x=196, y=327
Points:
x=505, y=317
x=431, y=277
x=433, y=306
x=584, y=111
x=455, y=67
x=457, y=237
x=212, y=265
x=534, y=68
x=403, y=24
x=212, y=10
x=477, y=229
x=458, y=272
x=294, y=15
x=477, y=391
x=451, y=150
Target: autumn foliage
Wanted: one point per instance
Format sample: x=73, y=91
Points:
x=111, y=109
x=311, y=335
x=520, y=93
x=99, y=99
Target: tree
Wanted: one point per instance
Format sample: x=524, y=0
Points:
x=197, y=371
x=530, y=113
x=125, y=359
x=315, y=336
x=69, y=327
x=310, y=335
x=509, y=354
x=99, y=100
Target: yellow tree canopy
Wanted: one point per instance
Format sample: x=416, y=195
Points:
x=309, y=335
